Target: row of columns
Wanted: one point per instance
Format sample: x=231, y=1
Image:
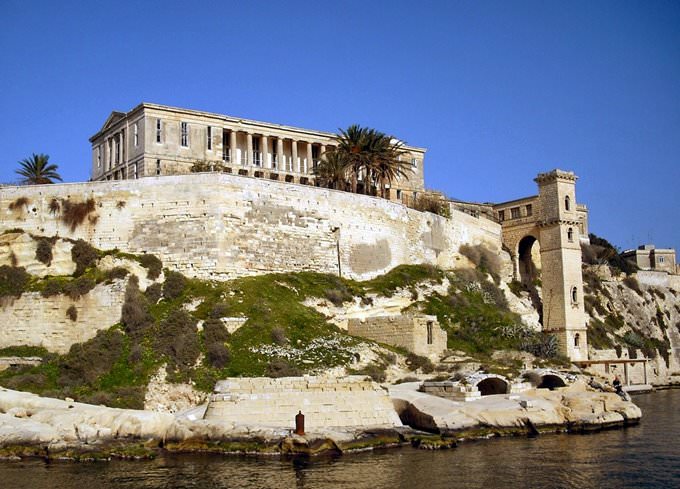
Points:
x=297, y=166
x=109, y=156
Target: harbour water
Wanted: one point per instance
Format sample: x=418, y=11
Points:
x=643, y=456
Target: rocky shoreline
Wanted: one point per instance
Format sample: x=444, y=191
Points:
x=53, y=429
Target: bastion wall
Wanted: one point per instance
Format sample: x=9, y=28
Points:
x=326, y=402
x=220, y=226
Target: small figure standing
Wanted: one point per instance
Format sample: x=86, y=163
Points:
x=617, y=384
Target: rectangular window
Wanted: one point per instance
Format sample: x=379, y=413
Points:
x=158, y=130
x=209, y=135
x=514, y=212
x=135, y=172
x=398, y=194
x=158, y=167
x=136, y=134
x=661, y=259
x=184, y=134
x=414, y=162
x=530, y=210
x=99, y=156
x=501, y=215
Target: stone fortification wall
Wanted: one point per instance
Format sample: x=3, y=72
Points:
x=403, y=331
x=34, y=320
x=223, y=226
x=326, y=402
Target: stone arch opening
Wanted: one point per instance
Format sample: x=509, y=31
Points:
x=528, y=252
x=551, y=382
x=492, y=385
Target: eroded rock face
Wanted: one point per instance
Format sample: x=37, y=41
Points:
x=569, y=408
x=165, y=397
x=19, y=249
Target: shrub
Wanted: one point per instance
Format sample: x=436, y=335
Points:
x=43, y=250
x=135, y=315
x=433, y=204
x=152, y=264
x=218, y=355
x=338, y=296
x=483, y=258
x=86, y=362
x=214, y=331
x=74, y=213
x=72, y=313
x=83, y=255
x=52, y=287
x=174, y=285
x=13, y=281
x=415, y=362
x=153, y=293
x=177, y=339
x=78, y=287
x=279, y=367
x=633, y=284
x=279, y=336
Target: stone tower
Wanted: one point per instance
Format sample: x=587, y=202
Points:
x=562, y=281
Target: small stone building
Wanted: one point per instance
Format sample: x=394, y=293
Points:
x=419, y=334
x=649, y=257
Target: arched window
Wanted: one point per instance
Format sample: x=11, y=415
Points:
x=577, y=340
x=570, y=235
x=574, y=295
x=567, y=203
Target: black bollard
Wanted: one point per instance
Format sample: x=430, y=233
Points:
x=299, y=423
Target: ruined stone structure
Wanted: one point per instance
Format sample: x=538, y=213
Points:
x=152, y=140
x=326, y=402
x=418, y=334
x=557, y=224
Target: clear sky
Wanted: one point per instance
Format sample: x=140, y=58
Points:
x=498, y=91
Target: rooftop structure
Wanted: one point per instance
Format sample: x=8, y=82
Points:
x=152, y=140
x=649, y=257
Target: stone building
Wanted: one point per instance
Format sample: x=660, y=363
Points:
x=420, y=334
x=649, y=257
x=152, y=140
x=544, y=232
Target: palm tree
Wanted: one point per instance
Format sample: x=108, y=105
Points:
x=332, y=170
x=352, y=148
x=37, y=170
x=385, y=162
x=373, y=155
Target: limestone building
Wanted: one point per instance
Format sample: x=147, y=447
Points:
x=152, y=140
x=544, y=232
x=649, y=257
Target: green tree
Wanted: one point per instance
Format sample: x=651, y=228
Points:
x=37, y=170
x=332, y=171
x=370, y=155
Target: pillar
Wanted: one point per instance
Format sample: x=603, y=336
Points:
x=279, y=153
x=232, y=147
x=294, y=155
x=309, y=157
x=264, y=147
x=249, y=149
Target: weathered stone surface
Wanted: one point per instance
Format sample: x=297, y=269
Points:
x=326, y=402
x=567, y=408
x=34, y=320
x=224, y=226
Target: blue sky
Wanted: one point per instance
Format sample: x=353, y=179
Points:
x=498, y=91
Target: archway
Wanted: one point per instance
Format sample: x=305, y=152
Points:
x=529, y=258
x=492, y=385
x=551, y=382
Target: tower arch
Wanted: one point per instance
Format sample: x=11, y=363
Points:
x=543, y=233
